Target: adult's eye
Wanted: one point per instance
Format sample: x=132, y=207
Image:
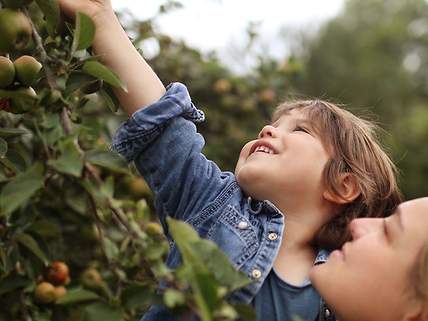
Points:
x=385, y=230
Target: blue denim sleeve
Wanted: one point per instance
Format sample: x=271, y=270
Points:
x=163, y=142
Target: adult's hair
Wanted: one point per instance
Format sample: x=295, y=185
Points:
x=354, y=148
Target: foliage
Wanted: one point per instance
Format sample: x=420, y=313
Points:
x=65, y=197
x=373, y=57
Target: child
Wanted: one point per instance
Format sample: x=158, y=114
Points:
x=295, y=187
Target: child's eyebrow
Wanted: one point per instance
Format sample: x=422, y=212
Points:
x=306, y=122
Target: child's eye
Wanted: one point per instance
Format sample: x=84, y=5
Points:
x=301, y=129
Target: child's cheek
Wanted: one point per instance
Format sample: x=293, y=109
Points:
x=246, y=149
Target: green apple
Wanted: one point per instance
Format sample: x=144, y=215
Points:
x=27, y=69
x=15, y=30
x=91, y=279
x=7, y=72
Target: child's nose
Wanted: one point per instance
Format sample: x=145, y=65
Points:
x=267, y=131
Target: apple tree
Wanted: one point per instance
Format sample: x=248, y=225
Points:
x=78, y=237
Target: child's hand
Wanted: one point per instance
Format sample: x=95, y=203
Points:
x=93, y=8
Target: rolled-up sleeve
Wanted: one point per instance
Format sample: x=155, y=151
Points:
x=163, y=141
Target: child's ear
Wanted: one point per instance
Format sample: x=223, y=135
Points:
x=347, y=190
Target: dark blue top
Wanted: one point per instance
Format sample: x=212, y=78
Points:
x=278, y=300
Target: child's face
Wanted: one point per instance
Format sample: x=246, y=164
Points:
x=285, y=163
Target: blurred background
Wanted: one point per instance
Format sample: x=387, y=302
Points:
x=240, y=59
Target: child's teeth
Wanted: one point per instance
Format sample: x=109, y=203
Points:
x=264, y=149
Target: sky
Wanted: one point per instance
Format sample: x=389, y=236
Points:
x=220, y=24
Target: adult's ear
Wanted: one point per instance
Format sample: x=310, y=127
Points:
x=347, y=190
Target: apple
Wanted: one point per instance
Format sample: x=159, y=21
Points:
x=45, y=293
x=27, y=68
x=5, y=104
x=222, y=86
x=15, y=30
x=154, y=229
x=57, y=273
x=7, y=72
x=138, y=186
x=59, y=292
x=91, y=278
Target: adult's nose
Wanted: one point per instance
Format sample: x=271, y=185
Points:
x=362, y=226
x=268, y=131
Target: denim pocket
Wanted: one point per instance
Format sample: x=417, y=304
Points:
x=235, y=235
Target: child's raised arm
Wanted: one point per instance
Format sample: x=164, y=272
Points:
x=118, y=53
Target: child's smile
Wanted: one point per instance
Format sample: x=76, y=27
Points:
x=287, y=158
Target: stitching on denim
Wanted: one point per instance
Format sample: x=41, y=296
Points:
x=145, y=135
x=218, y=202
x=231, y=218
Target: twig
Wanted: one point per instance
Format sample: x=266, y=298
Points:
x=24, y=311
x=99, y=228
x=66, y=122
x=43, y=54
x=45, y=146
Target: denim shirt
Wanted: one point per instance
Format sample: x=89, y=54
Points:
x=166, y=148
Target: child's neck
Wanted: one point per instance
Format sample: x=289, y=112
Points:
x=296, y=254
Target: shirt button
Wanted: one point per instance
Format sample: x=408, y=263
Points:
x=272, y=236
x=242, y=225
x=327, y=313
x=256, y=274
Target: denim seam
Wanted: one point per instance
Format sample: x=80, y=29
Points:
x=143, y=135
x=218, y=202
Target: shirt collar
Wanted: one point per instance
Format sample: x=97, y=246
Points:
x=257, y=206
x=322, y=256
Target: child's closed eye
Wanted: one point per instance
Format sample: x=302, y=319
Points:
x=301, y=129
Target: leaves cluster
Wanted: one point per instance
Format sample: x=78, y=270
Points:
x=65, y=196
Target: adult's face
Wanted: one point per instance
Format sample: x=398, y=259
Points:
x=369, y=278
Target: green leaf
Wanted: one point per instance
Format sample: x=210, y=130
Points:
x=74, y=296
x=219, y=264
x=85, y=32
x=70, y=162
x=107, y=159
x=173, y=298
x=98, y=70
x=246, y=312
x=21, y=189
x=46, y=228
x=201, y=279
x=112, y=251
x=12, y=132
x=3, y=147
x=51, y=11
x=205, y=288
x=12, y=283
x=77, y=201
x=110, y=99
x=31, y=244
x=139, y=296
x=76, y=80
x=3, y=178
x=102, y=311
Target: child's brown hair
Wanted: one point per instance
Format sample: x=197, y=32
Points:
x=354, y=149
